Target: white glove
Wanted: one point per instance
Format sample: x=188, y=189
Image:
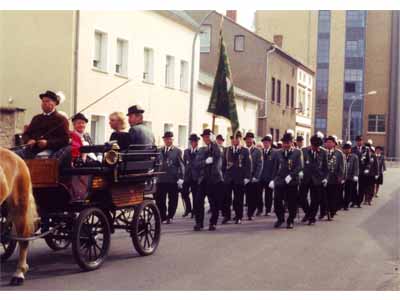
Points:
x=343, y=181
x=209, y=160
x=376, y=176
x=180, y=183
x=355, y=178
x=271, y=185
x=246, y=181
x=301, y=175
x=288, y=179
x=254, y=180
x=325, y=182
x=366, y=171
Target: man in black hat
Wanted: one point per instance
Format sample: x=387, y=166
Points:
x=287, y=165
x=315, y=177
x=368, y=171
x=208, y=163
x=47, y=131
x=220, y=141
x=191, y=174
x=381, y=168
x=236, y=167
x=335, y=177
x=267, y=174
x=140, y=133
x=253, y=188
x=172, y=164
x=351, y=176
x=299, y=142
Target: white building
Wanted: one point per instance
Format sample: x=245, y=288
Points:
x=304, y=105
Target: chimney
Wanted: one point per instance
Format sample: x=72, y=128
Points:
x=278, y=40
x=232, y=14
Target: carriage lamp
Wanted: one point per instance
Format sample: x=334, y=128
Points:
x=111, y=157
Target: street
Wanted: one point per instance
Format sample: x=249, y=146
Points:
x=359, y=250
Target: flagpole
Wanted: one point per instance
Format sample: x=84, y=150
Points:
x=213, y=123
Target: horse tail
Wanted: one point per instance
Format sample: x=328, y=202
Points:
x=31, y=209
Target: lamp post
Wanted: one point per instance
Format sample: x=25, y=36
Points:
x=350, y=110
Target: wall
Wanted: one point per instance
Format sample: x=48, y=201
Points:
x=36, y=54
x=161, y=104
x=304, y=121
x=11, y=123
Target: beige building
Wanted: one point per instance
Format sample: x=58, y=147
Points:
x=86, y=54
x=353, y=53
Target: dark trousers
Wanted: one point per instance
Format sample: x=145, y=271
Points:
x=253, y=196
x=63, y=155
x=238, y=199
x=350, y=193
x=368, y=189
x=316, y=195
x=305, y=187
x=288, y=193
x=340, y=203
x=165, y=189
x=189, y=187
x=226, y=200
x=323, y=205
x=362, y=182
x=212, y=191
x=267, y=197
x=332, y=193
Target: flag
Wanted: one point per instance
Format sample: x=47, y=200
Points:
x=222, y=100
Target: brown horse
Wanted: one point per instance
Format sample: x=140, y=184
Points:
x=16, y=189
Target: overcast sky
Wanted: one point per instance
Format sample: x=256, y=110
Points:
x=245, y=17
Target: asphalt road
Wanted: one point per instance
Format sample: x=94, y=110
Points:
x=359, y=250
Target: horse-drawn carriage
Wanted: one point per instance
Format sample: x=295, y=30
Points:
x=82, y=206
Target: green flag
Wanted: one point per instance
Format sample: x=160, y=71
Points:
x=222, y=101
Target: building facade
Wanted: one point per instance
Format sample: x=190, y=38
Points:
x=354, y=54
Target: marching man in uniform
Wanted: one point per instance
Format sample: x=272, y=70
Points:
x=253, y=188
x=287, y=165
x=236, y=168
x=208, y=163
x=172, y=164
x=191, y=174
x=351, y=176
x=368, y=173
x=266, y=174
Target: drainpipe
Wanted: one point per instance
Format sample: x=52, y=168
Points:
x=192, y=72
x=76, y=57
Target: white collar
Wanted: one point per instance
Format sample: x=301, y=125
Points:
x=50, y=113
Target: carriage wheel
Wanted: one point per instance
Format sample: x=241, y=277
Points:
x=91, y=239
x=58, y=240
x=7, y=245
x=146, y=228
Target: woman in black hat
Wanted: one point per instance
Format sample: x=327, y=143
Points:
x=80, y=138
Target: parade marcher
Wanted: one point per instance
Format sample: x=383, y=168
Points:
x=208, y=163
x=266, y=175
x=287, y=165
x=299, y=142
x=351, y=176
x=315, y=178
x=381, y=168
x=191, y=174
x=338, y=147
x=220, y=141
x=236, y=168
x=224, y=189
x=253, y=188
x=167, y=185
x=303, y=188
x=140, y=133
x=48, y=132
x=117, y=123
x=335, y=177
x=359, y=150
x=368, y=174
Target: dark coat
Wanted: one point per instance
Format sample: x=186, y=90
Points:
x=315, y=166
x=352, y=166
x=189, y=158
x=381, y=164
x=211, y=173
x=236, y=166
x=53, y=128
x=256, y=163
x=368, y=161
x=123, y=139
x=141, y=135
x=171, y=162
x=335, y=166
x=284, y=165
x=268, y=165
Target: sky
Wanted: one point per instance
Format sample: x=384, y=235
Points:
x=245, y=17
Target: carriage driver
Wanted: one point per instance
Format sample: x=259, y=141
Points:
x=47, y=133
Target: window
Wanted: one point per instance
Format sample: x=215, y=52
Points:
x=184, y=75
x=148, y=124
x=169, y=71
x=277, y=135
x=168, y=127
x=182, y=131
x=349, y=87
x=205, y=39
x=271, y=131
x=353, y=75
x=287, y=95
x=100, y=51
x=273, y=89
x=355, y=18
x=97, y=129
x=376, y=123
x=320, y=123
x=121, y=65
x=148, y=73
x=355, y=48
x=278, y=96
x=292, y=96
x=239, y=43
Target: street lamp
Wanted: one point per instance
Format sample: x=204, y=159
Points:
x=350, y=108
